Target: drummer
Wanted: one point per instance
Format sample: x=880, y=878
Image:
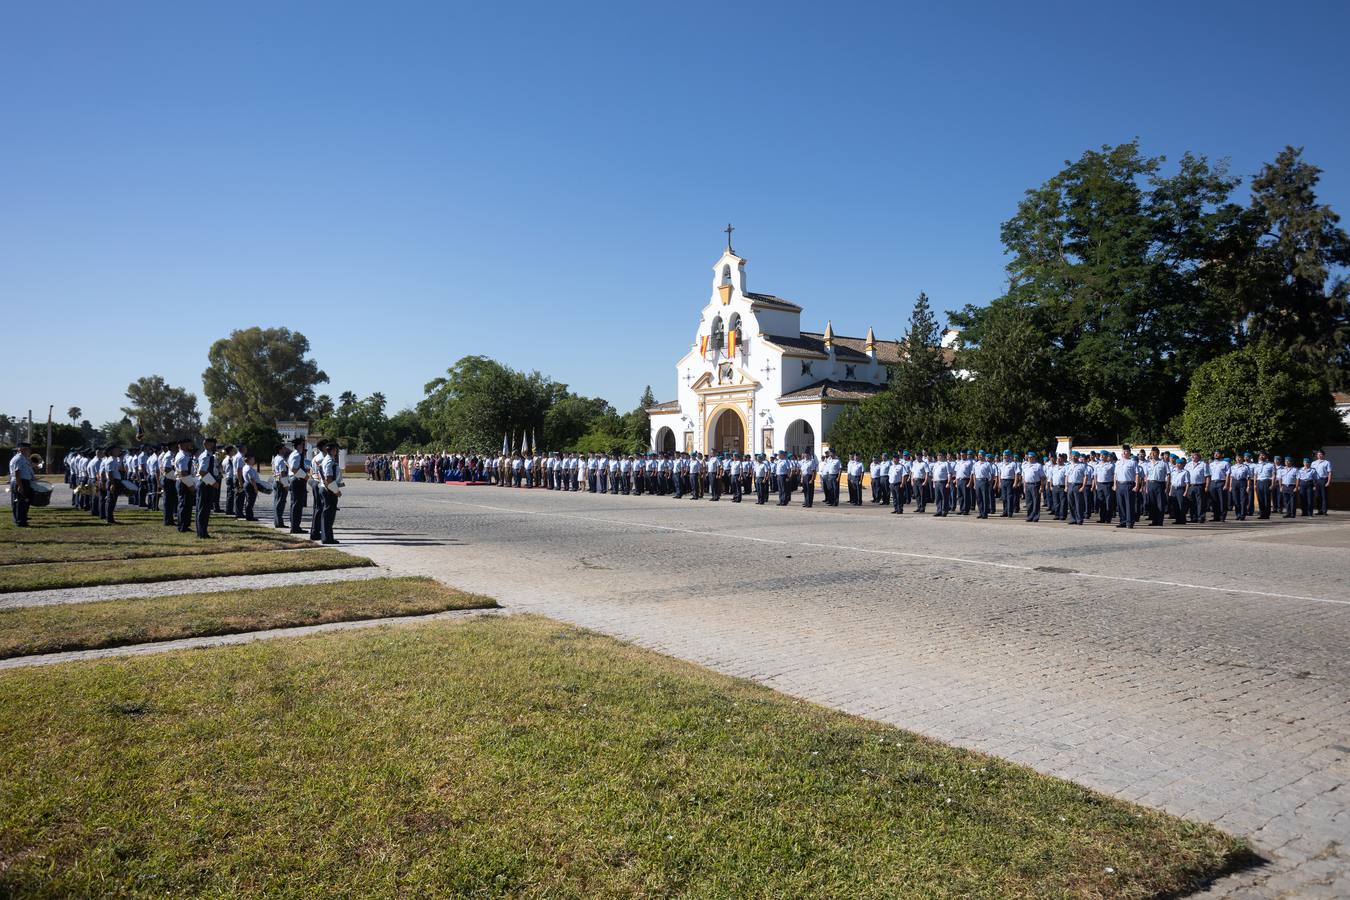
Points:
x=21, y=480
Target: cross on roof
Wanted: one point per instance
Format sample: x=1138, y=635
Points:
x=729, y=230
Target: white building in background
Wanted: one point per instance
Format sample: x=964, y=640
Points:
x=754, y=382
x=289, y=431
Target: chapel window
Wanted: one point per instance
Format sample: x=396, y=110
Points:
x=718, y=334
x=735, y=328
x=849, y=371
x=806, y=367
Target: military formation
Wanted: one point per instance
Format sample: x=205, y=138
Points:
x=188, y=484
x=1123, y=488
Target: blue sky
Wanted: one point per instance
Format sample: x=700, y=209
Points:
x=546, y=183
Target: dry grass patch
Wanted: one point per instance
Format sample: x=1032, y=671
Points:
x=27, y=631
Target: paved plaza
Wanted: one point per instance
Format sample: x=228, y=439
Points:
x=1201, y=670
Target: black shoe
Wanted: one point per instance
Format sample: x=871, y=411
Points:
x=330, y=542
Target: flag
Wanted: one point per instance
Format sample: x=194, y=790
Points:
x=140, y=435
x=534, y=439
x=524, y=441
x=703, y=345
x=505, y=449
x=731, y=343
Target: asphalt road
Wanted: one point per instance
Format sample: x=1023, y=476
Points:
x=1198, y=669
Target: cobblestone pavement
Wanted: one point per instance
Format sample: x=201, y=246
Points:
x=1201, y=670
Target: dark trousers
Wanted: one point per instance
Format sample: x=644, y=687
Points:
x=18, y=506
x=940, y=498
x=1157, y=502
x=207, y=497
x=1287, y=495
x=762, y=491
x=1059, y=506
x=1218, y=502
x=1320, y=496
x=1179, y=504
x=316, y=518
x=784, y=492
x=330, y=508
x=808, y=490
x=736, y=489
x=278, y=504
x=1033, y=497
x=1306, y=496
x=1240, y=499
x=854, y=491
x=250, y=497
x=984, y=497
x=1105, y=504
x=187, y=501
x=170, y=501
x=231, y=495
x=1005, y=489
x=1125, y=505
x=897, y=493
x=110, y=503
x=1263, y=499
x=1076, y=498
x=297, y=491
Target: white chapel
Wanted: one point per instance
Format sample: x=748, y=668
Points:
x=754, y=382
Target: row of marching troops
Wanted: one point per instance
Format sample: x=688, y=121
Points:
x=187, y=483
x=1124, y=487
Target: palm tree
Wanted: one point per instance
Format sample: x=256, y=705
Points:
x=346, y=398
x=74, y=414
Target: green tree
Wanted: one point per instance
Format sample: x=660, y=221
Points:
x=74, y=413
x=1010, y=397
x=638, y=424
x=573, y=416
x=322, y=409
x=1289, y=282
x=916, y=408
x=479, y=400
x=257, y=439
x=257, y=376
x=1117, y=259
x=1259, y=398
x=122, y=433
x=406, y=431
x=163, y=412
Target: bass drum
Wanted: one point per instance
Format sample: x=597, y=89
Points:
x=42, y=493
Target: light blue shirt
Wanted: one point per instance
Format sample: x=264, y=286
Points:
x=20, y=469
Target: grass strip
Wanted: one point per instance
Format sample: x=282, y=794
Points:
x=519, y=756
x=117, y=623
x=64, y=534
x=46, y=576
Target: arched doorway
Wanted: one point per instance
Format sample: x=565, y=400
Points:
x=665, y=441
x=728, y=433
x=800, y=438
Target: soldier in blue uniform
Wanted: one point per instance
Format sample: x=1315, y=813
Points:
x=208, y=485
x=1157, y=474
x=1127, y=486
x=298, y=466
x=21, y=480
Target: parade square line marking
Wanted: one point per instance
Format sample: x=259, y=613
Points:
x=932, y=556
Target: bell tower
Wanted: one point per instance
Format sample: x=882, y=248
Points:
x=728, y=274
